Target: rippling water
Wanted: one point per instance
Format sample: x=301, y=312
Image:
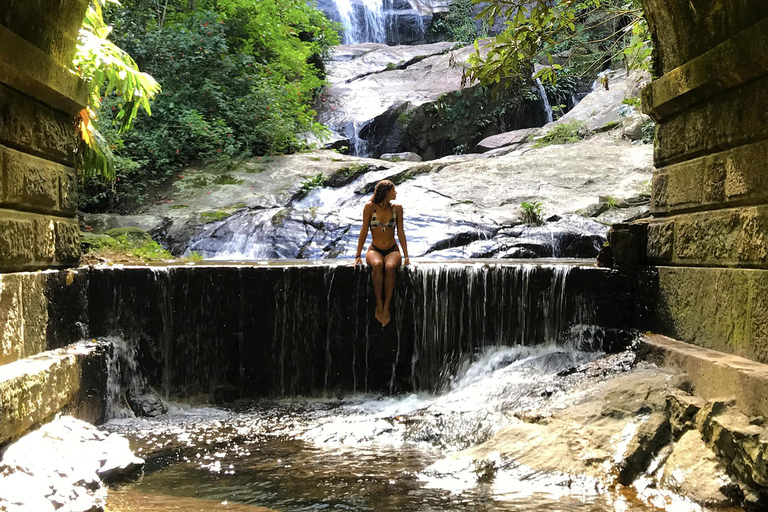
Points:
x=365, y=452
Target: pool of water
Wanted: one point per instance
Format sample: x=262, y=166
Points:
x=362, y=453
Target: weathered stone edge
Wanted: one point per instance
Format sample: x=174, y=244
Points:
x=30, y=241
x=722, y=68
x=729, y=120
x=714, y=375
x=33, y=390
x=734, y=237
x=30, y=183
x=27, y=68
x=733, y=177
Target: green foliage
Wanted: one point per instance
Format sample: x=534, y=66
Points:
x=124, y=247
x=458, y=24
x=595, y=34
x=561, y=91
x=462, y=117
x=649, y=132
x=563, y=133
x=238, y=79
x=309, y=184
x=107, y=70
x=222, y=214
x=532, y=212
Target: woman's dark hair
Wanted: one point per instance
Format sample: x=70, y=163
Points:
x=382, y=189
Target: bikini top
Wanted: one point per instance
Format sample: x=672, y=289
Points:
x=390, y=224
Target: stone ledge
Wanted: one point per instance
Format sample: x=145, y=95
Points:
x=720, y=309
x=50, y=26
x=714, y=375
x=734, y=237
x=33, y=390
x=35, y=184
x=730, y=178
x=673, y=22
x=30, y=241
x=27, y=68
x=32, y=127
x=730, y=120
x=728, y=65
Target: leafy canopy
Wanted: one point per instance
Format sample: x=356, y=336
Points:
x=107, y=70
x=592, y=33
x=239, y=78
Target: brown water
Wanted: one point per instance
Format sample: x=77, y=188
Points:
x=362, y=453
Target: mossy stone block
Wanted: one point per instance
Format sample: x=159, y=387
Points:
x=67, y=241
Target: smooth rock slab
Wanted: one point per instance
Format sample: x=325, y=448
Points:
x=62, y=465
x=506, y=139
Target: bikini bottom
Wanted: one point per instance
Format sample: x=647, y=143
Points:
x=384, y=252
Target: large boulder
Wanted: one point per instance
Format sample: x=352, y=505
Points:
x=514, y=138
x=63, y=466
x=410, y=98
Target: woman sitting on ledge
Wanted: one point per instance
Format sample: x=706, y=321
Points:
x=382, y=215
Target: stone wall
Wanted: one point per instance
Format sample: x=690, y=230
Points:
x=710, y=189
x=39, y=98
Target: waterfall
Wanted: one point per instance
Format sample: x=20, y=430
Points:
x=231, y=331
x=363, y=22
x=544, y=100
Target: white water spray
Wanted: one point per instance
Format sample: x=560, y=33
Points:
x=363, y=22
x=544, y=100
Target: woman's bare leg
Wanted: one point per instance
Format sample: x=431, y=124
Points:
x=376, y=261
x=391, y=262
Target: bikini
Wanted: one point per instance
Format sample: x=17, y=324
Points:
x=375, y=222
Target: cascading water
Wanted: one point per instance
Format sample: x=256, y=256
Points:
x=292, y=330
x=363, y=453
x=544, y=101
x=470, y=346
x=377, y=21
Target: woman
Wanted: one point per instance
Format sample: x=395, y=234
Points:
x=382, y=215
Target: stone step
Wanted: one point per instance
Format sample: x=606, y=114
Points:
x=714, y=375
x=40, y=311
x=33, y=390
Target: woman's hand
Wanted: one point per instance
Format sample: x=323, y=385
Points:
x=407, y=261
x=358, y=261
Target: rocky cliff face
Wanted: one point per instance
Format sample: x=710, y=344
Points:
x=387, y=99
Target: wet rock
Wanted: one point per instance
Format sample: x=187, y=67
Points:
x=382, y=98
x=404, y=156
x=632, y=125
x=146, y=404
x=694, y=471
x=682, y=410
x=614, y=427
x=651, y=436
x=743, y=446
x=511, y=139
x=62, y=466
x=599, y=109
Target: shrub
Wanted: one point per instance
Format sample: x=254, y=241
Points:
x=563, y=133
x=532, y=212
x=238, y=79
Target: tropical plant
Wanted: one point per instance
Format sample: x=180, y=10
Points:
x=239, y=79
x=532, y=212
x=107, y=70
x=562, y=133
x=593, y=32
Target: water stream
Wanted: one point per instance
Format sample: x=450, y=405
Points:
x=370, y=452
x=546, y=107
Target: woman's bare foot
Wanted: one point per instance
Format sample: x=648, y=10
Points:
x=385, y=316
x=378, y=314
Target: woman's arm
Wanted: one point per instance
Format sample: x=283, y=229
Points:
x=367, y=212
x=401, y=233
